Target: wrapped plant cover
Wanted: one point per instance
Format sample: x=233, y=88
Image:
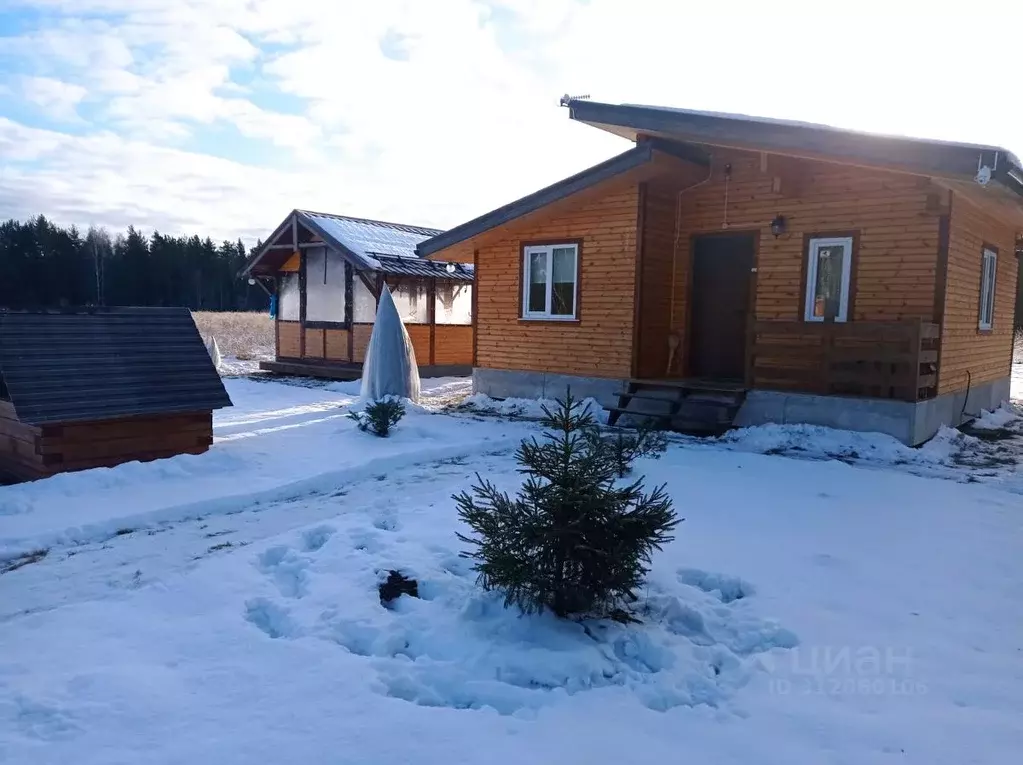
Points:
x=390, y=367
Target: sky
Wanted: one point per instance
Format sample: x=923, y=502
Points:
x=218, y=117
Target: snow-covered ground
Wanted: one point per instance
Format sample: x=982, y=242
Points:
x=830, y=598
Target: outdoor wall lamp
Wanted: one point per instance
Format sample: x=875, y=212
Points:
x=778, y=225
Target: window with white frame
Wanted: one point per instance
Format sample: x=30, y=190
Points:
x=989, y=269
x=551, y=281
x=828, y=272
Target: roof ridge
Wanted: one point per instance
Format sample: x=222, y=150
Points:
x=372, y=221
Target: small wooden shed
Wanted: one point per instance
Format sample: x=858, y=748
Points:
x=327, y=272
x=96, y=387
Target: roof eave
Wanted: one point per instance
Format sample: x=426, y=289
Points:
x=606, y=170
x=260, y=252
x=931, y=157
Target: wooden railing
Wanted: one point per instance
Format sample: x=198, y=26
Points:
x=894, y=360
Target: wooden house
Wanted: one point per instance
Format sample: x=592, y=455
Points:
x=729, y=270
x=97, y=387
x=327, y=272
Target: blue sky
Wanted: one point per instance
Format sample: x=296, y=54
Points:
x=219, y=116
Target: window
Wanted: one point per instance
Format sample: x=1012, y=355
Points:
x=411, y=300
x=454, y=303
x=288, y=297
x=989, y=269
x=324, y=286
x=365, y=309
x=828, y=272
x=551, y=278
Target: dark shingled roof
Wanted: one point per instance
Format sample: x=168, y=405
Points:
x=100, y=363
x=462, y=272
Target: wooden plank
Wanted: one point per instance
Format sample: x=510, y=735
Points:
x=148, y=456
x=116, y=450
x=453, y=344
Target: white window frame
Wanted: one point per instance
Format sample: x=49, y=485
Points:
x=810, y=297
x=988, y=277
x=548, y=249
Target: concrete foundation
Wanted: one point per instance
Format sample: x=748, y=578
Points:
x=513, y=383
x=911, y=423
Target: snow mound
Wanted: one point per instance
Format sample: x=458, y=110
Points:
x=526, y=408
x=820, y=442
x=458, y=647
x=1006, y=416
x=727, y=588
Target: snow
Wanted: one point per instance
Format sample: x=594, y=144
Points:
x=245, y=465
x=1002, y=417
x=821, y=603
x=526, y=408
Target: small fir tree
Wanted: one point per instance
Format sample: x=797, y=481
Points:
x=574, y=540
x=628, y=445
x=380, y=416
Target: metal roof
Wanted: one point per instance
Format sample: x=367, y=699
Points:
x=916, y=155
x=361, y=240
x=461, y=272
x=365, y=240
x=100, y=363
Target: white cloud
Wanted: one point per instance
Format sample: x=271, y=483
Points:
x=466, y=119
x=57, y=99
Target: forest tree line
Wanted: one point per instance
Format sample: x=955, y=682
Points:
x=43, y=265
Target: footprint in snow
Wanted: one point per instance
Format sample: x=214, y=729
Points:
x=386, y=523
x=41, y=721
x=366, y=540
x=273, y=620
x=314, y=539
x=287, y=569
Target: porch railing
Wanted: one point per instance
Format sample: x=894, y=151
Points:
x=893, y=360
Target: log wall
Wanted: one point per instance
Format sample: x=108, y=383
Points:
x=895, y=218
x=599, y=342
x=28, y=452
x=985, y=354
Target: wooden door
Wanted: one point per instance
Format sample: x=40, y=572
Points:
x=722, y=273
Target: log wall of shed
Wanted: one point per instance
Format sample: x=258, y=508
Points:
x=29, y=452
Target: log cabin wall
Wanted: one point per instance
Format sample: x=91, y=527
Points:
x=28, y=452
x=452, y=345
x=985, y=354
x=599, y=342
x=895, y=217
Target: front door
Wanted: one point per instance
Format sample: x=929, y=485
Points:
x=722, y=271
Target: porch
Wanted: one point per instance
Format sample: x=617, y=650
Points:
x=887, y=361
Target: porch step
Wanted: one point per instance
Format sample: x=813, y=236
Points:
x=698, y=407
